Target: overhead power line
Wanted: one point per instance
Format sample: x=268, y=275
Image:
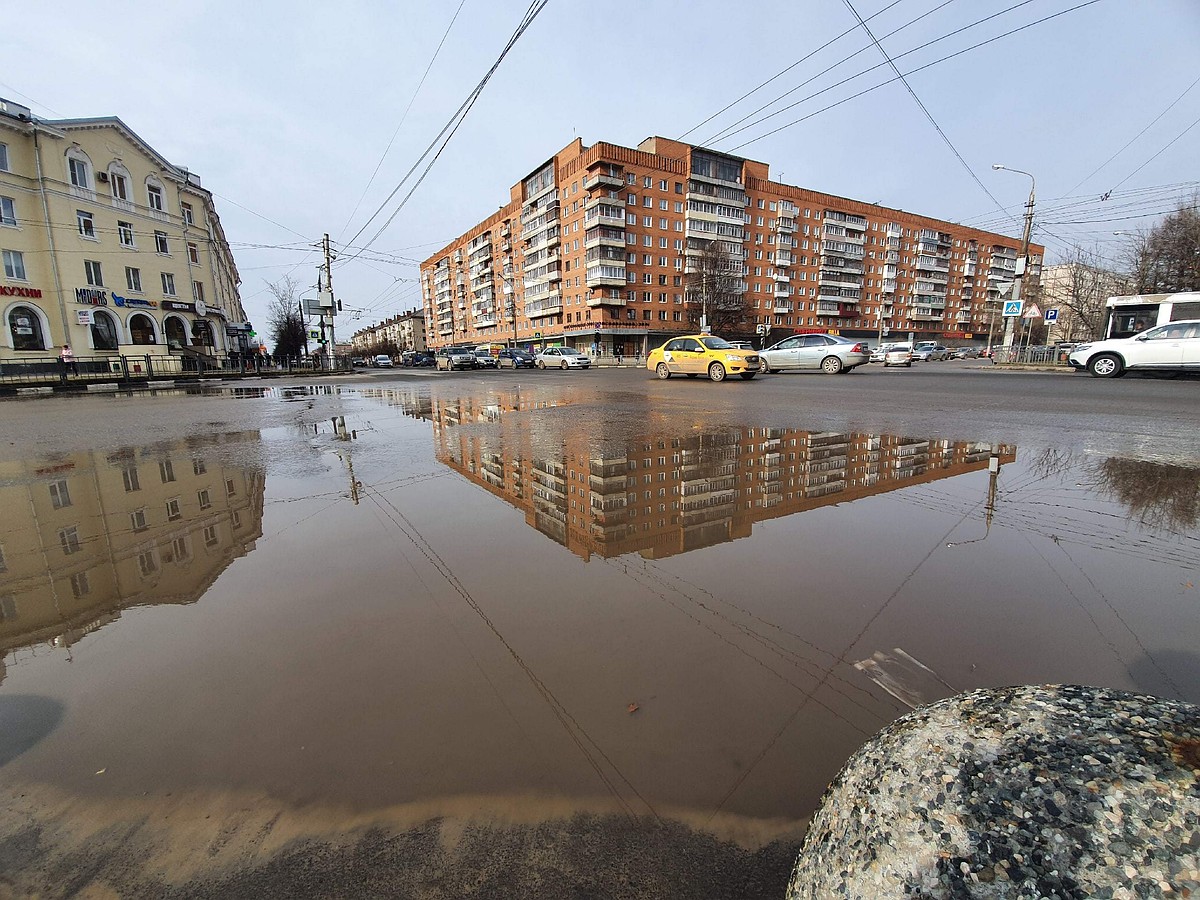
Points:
x=446, y=133
x=784, y=71
x=730, y=131
x=404, y=115
x=928, y=115
x=1170, y=106
x=1156, y=155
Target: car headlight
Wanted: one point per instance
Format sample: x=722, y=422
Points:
x=732, y=357
x=1081, y=347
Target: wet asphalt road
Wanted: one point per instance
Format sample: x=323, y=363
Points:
x=243, y=841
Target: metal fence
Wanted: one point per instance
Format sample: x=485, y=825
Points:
x=50, y=371
x=1039, y=356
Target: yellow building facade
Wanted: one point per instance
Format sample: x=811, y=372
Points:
x=109, y=248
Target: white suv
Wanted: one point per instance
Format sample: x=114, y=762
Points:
x=1174, y=346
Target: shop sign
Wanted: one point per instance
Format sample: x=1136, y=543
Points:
x=134, y=301
x=91, y=296
x=179, y=307
x=12, y=291
x=83, y=317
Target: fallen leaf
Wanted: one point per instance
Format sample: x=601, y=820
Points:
x=102, y=771
x=632, y=708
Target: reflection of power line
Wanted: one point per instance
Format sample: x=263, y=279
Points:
x=753, y=636
x=570, y=724
x=841, y=660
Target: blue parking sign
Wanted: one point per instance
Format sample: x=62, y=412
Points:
x=1051, y=316
x=1013, y=307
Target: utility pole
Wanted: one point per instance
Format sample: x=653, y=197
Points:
x=332, y=302
x=1023, y=260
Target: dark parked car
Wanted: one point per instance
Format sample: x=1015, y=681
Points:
x=423, y=361
x=514, y=359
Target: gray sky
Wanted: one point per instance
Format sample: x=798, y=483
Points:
x=285, y=115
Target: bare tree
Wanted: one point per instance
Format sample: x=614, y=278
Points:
x=284, y=318
x=1079, y=288
x=1160, y=495
x=1166, y=259
x=716, y=289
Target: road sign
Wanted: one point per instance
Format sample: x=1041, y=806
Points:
x=761, y=329
x=1051, y=316
x=1032, y=311
x=1012, y=308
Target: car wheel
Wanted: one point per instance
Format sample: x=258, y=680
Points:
x=763, y=367
x=716, y=372
x=746, y=376
x=1106, y=365
x=831, y=365
x=662, y=371
x=908, y=365
x=563, y=364
x=691, y=374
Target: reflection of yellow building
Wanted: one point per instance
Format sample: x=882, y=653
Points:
x=89, y=534
x=663, y=495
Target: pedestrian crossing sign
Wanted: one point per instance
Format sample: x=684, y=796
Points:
x=1013, y=307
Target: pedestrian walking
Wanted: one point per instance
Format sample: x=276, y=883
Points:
x=67, y=357
x=618, y=353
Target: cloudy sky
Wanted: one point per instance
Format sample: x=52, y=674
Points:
x=286, y=109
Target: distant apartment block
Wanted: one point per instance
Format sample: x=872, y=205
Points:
x=594, y=247
x=405, y=332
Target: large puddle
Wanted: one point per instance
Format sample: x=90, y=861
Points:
x=499, y=601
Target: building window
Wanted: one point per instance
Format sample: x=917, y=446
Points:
x=160, y=243
x=125, y=233
x=154, y=197
x=68, y=539
x=4, y=158
x=210, y=536
x=166, y=471
x=60, y=495
x=14, y=265
x=186, y=209
x=137, y=520
x=104, y=331
x=197, y=292
x=193, y=254
x=198, y=467
x=147, y=564
x=91, y=269
x=87, y=227
x=203, y=498
x=130, y=475
x=78, y=169
x=8, y=211
x=133, y=279
x=168, y=284
x=119, y=185
x=173, y=511
x=79, y=585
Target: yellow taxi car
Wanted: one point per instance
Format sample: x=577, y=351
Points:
x=702, y=354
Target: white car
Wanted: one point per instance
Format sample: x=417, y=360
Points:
x=893, y=355
x=1170, y=347
x=562, y=358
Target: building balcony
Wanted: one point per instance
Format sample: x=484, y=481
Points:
x=888, y=285
x=783, y=289
x=783, y=258
x=598, y=237
x=781, y=276
x=600, y=276
x=783, y=307
x=785, y=225
x=925, y=315
x=602, y=299
x=603, y=180
x=548, y=306
x=848, y=279
x=847, y=219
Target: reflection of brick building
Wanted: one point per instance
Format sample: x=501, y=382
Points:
x=595, y=245
x=86, y=535
x=662, y=495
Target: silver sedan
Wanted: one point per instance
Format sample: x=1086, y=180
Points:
x=830, y=353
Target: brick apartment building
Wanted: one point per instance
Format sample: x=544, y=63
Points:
x=594, y=247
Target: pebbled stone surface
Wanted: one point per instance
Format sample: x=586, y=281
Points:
x=1020, y=792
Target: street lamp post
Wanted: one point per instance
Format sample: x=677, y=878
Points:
x=1023, y=262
